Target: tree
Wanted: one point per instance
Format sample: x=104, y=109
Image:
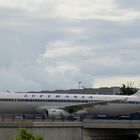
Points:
x=128, y=89
x=25, y=135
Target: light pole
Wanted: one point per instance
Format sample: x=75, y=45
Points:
x=83, y=87
x=79, y=84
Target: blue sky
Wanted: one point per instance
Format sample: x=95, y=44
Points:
x=51, y=44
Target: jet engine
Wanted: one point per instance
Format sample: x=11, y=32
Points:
x=54, y=113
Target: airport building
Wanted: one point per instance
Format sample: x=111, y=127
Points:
x=99, y=91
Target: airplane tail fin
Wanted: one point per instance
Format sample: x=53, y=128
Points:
x=137, y=93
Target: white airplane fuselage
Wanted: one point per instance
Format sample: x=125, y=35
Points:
x=32, y=103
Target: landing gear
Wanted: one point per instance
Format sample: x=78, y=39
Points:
x=46, y=114
x=62, y=117
x=70, y=118
x=82, y=117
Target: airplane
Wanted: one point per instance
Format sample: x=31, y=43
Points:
x=55, y=105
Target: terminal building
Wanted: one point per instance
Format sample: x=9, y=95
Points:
x=99, y=91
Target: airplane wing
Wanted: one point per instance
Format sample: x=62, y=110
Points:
x=80, y=106
x=74, y=108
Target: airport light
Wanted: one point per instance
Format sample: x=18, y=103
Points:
x=83, y=87
x=79, y=84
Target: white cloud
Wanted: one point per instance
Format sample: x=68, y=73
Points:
x=14, y=80
x=62, y=56
x=77, y=9
x=62, y=61
x=49, y=44
x=58, y=49
x=27, y=5
x=116, y=81
x=135, y=42
x=97, y=9
x=61, y=68
x=74, y=30
x=64, y=48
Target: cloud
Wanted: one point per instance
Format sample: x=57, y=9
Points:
x=63, y=48
x=30, y=6
x=55, y=44
x=60, y=58
x=128, y=4
x=109, y=10
x=117, y=81
x=61, y=63
x=14, y=81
